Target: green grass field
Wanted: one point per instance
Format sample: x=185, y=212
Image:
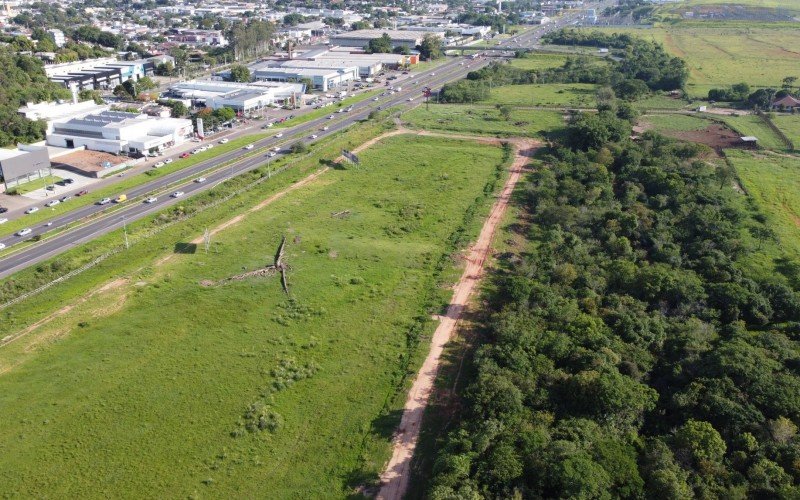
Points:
x=661, y=101
x=755, y=126
x=790, y=126
x=137, y=391
x=674, y=123
x=719, y=54
x=539, y=61
x=483, y=120
x=555, y=94
x=318, y=113
x=773, y=181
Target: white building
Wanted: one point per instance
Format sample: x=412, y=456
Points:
x=244, y=97
x=58, y=37
x=120, y=132
x=322, y=78
x=52, y=111
x=361, y=38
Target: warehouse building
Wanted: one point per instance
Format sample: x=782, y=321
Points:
x=322, y=77
x=24, y=164
x=242, y=97
x=360, y=38
x=119, y=132
x=101, y=73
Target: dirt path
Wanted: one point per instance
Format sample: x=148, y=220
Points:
x=395, y=477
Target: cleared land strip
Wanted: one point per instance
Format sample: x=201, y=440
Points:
x=394, y=480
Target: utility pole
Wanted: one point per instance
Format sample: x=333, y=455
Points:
x=125, y=231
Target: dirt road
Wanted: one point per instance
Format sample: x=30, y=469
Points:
x=394, y=480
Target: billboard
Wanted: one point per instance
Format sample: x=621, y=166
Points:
x=200, y=132
x=26, y=163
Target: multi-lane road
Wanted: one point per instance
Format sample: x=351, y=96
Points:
x=86, y=223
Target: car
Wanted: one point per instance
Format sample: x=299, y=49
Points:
x=152, y=199
x=376, y=98
x=325, y=127
x=81, y=193
x=331, y=117
x=68, y=180
x=276, y=148
x=204, y=148
x=269, y=125
x=2, y=246
x=313, y=136
x=194, y=152
x=24, y=232
x=405, y=72
x=3, y=210
x=410, y=99
x=200, y=180
x=195, y=140
x=340, y=110
x=104, y=201
x=159, y=164
x=249, y=146
x=3, y=220
x=32, y=210
x=177, y=194
x=121, y=198
x=271, y=154
x=279, y=135
x=184, y=155
x=224, y=140
x=52, y=203
x=168, y=161
x=65, y=198
x=209, y=146
x=50, y=187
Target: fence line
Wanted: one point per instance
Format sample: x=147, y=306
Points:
x=768, y=121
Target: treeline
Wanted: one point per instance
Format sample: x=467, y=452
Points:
x=762, y=98
x=629, y=352
x=252, y=39
x=23, y=80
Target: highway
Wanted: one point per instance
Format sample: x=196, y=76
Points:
x=91, y=221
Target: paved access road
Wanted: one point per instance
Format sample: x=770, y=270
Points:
x=92, y=221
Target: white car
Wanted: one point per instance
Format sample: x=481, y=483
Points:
x=279, y=135
x=32, y=210
x=2, y=246
x=200, y=180
x=223, y=140
x=52, y=203
x=168, y=161
x=177, y=194
x=433, y=74
x=249, y=146
x=313, y=136
x=195, y=151
x=159, y=164
x=104, y=201
x=152, y=199
x=24, y=232
x=271, y=154
x=3, y=220
x=410, y=99
x=269, y=125
x=276, y=148
x=325, y=127
x=376, y=98
x=331, y=117
x=204, y=148
x=209, y=146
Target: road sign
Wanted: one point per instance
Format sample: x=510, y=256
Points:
x=350, y=156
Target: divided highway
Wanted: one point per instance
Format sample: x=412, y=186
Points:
x=239, y=161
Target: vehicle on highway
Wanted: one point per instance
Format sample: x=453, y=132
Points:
x=209, y=146
x=65, y=198
x=159, y=164
x=3, y=220
x=81, y=193
x=32, y=210
x=410, y=99
x=271, y=154
x=433, y=74
x=325, y=127
x=269, y=125
x=195, y=151
x=331, y=117
x=152, y=199
x=52, y=203
x=121, y=198
x=104, y=201
x=279, y=135
x=48, y=224
x=177, y=194
x=313, y=136
x=224, y=140
x=200, y=180
x=249, y=146
x=376, y=98
x=168, y=161
x=68, y=181
x=2, y=246
x=24, y=232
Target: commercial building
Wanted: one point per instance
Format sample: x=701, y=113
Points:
x=53, y=111
x=119, y=132
x=322, y=77
x=360, y=38
x=24, y=164
x=197, y=38
x=242, y=97
x=101, y=73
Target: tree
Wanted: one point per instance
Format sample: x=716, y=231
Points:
x=505, y=111
x=239, y=73
x=381, y=45
x=701, y=440
x=788, y=83
x=402, y=50
x=298, y=147
x=431, y=47
x=179, y=109
x=146, y=83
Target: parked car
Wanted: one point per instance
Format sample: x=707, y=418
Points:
x=168, y=161
x=177, y=194
x=32, y=210
x=313, y=136
x=331, y=117
x=24, y=232
x=52, y=203
x=65, y=198
x=104, y=201
x=376, y=98
x=81, y=193
x=68, y=181
x=276, y=148
x=152, y=199
x=2, y=246
x=200, y=180
x=51, y=187
x=159, y=164
x=224, y=140
x=184, y=155
x=325, y=127
x=3, y=220
x=194, y=152
x=271, y=154
x=209, y=146
x=3, y=210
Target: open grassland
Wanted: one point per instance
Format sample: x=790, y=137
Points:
x=759, y=54
x=553, y=94
x=483, y=120
x=673, y=123
x=661, y=101
x=782, y=5
x=773, y=183
x=753, y=125
x=790, y=126
x=538, y=61
x=137, y=392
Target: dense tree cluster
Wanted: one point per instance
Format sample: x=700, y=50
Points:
x=252, y=39
x=629, y=353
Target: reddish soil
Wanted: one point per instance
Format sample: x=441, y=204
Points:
x=716, y=136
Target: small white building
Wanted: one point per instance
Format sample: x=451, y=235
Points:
x=119, y=132
x=58, y=37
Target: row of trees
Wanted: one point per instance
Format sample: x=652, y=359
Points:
x=762, y=98
x=252, y=39
x=429, y=48
x=629, y=352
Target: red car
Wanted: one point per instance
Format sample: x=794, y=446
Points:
x=185, y=155
x=82, y=193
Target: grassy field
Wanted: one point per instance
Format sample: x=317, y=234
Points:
x=539, y=61
x=755, y=126
x=33, y=185
x=317, y=113
x=674, y=123
x=661, y=101
x=773, y=182
x=555, y=94
x=719, y=55
x=790, y=126
x=483, y=120
x=138, y=391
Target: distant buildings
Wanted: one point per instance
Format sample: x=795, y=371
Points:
x=196, y=38
x=361, y=38
x=101, y=73
x=58, y=37
x=241, y=97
